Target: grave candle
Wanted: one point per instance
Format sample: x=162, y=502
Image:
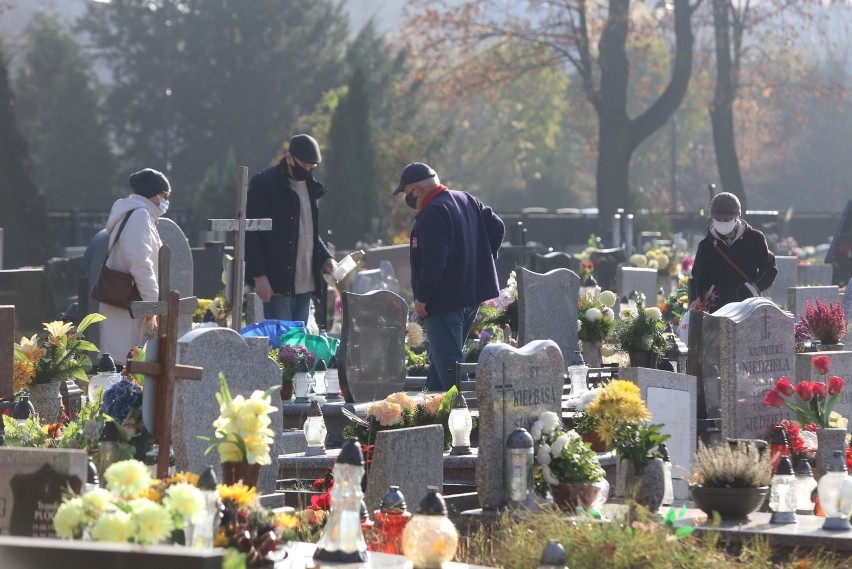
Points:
x=430, y=538
x=332, y=381
x=578, y=372
x=300, y=383
x=315, y=430
x=519, y=468
x=805, y=486
x=320, y=386
x=391, y=518
x=107, y=447
x=553, y=556
x=835, y=494
x=782, y=493
x=460, y=423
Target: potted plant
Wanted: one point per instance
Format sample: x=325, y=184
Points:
x=639, y=332
x=825, y=321
x=731, y=479
x=567, y=466
x=596, y=321
x=288, y=359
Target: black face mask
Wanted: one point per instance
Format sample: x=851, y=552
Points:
x=411, y=200
x=298, y=173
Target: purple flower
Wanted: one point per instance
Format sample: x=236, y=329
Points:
x=121, y=398
x=485, y=335
x=802, y=334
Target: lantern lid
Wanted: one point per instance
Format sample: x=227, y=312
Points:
x=663, y=449
x=459, y=402
x=837, y=463
x=785, y=467
x=314, y=410
x=804, y=469
x=433, y=503
x=553, y=555
x=519, y=438
x=106, y=363
x=109, y=434
x=208, y=481
x=23, y=408
x=577, y=359
x=350, y=453
x=393, y=501
x=320, y=365
x=778, y=436
x=590, y=281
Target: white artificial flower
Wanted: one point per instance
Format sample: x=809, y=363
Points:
x=638, y=260
x=653, y=264
x=572, y=435
x=543, y=455
x=579, y=325
x=628, y=312
x=558, y=446
x=549, y=421
x=608, y=313
x=593, y=314
x=653, y=313
x=587, y=398
x=548, y=476
x=607, y=298
x=535, y=430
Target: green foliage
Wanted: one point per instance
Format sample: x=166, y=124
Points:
x=642, y=331
x=597, y=325
x=636, y=442
x=416, y=363
x=726, y=466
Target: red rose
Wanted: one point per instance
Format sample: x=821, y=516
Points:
x=819, y=389
x=805, y=390
x=821, y=364
x=835, y=385
x=773, y=399
x=784, y=386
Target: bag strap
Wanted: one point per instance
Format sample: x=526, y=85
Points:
x=118, y=235
x=730, y=262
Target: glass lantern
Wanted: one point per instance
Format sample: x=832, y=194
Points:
x=391, y=519
x=430, y=538
x=805, y=486
x=460, y=423
x=590, y=288
x=301, y=383
x=207, y=523
x=320, y=387
x=778, y=446
x=315, y=430
x=782, y=493
x=107, y=449
x=835, y=494
x=520, y=459
x=553, y=556
x=332, y=381
x=578, y=373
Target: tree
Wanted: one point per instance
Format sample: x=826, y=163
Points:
x=216, y=197
x=23, y=217
x=58, y=112
x=565, y=31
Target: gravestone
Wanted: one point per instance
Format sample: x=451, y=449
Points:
x=787, y=277
x=383, y=278
x=846, y=303
x=607, y=262
x=796, y=297
x=397, y=256
x=409, y=458
x=208, y=269
x=27, y=291
x=32, y=483
x=554, y=260
x=180, y=267
x=7, y=352
x=511, y=257
x=547, y=308
x=514, y=386
x=641, y=279
x=738, y=353
x=818, y=274
x=371, y=355
x=672, y=399
x=247, y=368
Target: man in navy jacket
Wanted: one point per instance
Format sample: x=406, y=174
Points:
x=454, y=243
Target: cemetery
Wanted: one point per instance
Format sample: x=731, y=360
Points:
x=655, y=377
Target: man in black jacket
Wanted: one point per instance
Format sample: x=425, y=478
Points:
x=733, y=261
x=285, y=265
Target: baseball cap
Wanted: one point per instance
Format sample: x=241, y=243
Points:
x=414, y=172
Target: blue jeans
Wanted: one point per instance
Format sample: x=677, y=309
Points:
x=446, y=334
x=281, y=307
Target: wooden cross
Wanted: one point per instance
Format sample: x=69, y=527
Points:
x=7, y=351
x=165, y=368
x=239, y=226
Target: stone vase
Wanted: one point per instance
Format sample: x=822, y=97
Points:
x=828, y=441
x=233, y=472
x=46, y=400
x=592, y=353
x=643, y=359
x=571, y=496
x=646, y=488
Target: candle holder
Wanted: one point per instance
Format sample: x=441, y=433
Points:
x=332, y=381
x=460, y=423
x=782, y=493
x=520, y=460
x=391, y=519
x=835, y=494
x=315, y=430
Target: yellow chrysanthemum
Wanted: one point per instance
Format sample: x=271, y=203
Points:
x=23, y=373
x=619, y=400
x=70, y=519
x=127, y=478
x=185, y=499
x=606, y=431
x=239, y=494
x=188, y=477
x=97, y=501
x=114, y=526
x=153, y=522
x=285, y=521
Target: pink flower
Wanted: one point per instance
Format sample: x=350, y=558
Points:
x=819, y=389
x=773, y=399
x=784, y=386
x=805, y=390
x=821, y=364
x=835, y=385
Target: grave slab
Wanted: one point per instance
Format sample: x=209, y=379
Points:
x=641, y=279
x=547, y=308
x=787, y=277
x=817, y=274
x=797, y=296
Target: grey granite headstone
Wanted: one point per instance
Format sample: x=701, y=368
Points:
x=740, y=352
x=547, y=308
x=247, y=367
x=181, y=265
x=846, y=302
x=409, y=458
x=32, y=482
x=514, y=387
x=817, y=274
x=554, y=260
x=90, y=267
x=641, y=279
x=786, y=278
x=796, y=297
x=383, y=278
x=371, y=355
x=672, y=399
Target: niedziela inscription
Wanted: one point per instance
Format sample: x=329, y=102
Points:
x=763, y=362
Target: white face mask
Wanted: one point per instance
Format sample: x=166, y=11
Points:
x=163, y=206
x=724, y=227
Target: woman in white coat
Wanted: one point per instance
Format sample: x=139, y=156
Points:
x=135, y=252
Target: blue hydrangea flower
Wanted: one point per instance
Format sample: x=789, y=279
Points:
x=121, y=398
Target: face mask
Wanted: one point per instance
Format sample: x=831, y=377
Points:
x=163, y=206
x=411, y=200
x=297, y=172
x=724, y=227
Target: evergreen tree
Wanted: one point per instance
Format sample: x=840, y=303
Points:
x=58, y=113
x=23, y=217
x=216, y=197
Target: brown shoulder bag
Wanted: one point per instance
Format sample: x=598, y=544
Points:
x=113, y=287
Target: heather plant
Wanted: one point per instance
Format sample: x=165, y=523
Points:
x=731, y=466
x=825, y=321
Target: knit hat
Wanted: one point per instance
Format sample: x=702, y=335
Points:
x=149, y=183
x=725, y=206
x=305, y=148
x=413, y=173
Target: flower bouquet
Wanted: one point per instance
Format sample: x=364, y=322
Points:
x=825, y=321
x=566, y=465
x=501, y=310
x=814, y=400
x=288, y=359
x=640, y=330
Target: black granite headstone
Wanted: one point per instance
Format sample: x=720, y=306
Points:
x=37, y=497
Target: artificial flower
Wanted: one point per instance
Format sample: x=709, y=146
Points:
x=535, y=430
x=97, y=500
x=653, y=313
x=29, y=347
x=821, y=364
x=542, y=455
x=57, y=329
x=70, y=519
x=773, y=398
x=549, y=422
x=820, y=389
x=239, y=494
x=593, y=314
x=153, y=522
x=127, y=478
x=558, y=445
x=414, y=336
x=607, y=298
x=784, y=386
x=403, y=400
x=835, y=385
x=434, y=404
x=805, y=390
x=837, y=421
x=115, y=526
x=185, y=499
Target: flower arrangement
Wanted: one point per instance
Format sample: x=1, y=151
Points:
x=728, y=466
x=289, y=358
x=816, y=399
x=242, y=432
x=501, y=310
x=596, y=317
x=802, y=439
x=473, y=347
x=62, y=354
x=562, y=456
x=641, y=330
x=621, y=417
x=800, y=329
x=825, y=321
x=416, y=357
x=677, y=303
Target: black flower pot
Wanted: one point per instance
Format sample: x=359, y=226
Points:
x=733, y=504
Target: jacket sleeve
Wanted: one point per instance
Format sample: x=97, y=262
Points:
x=764, y=260
x=434, y=243
x=257, y=206
x=495, y=227
x=138, y=245
x=701, y=278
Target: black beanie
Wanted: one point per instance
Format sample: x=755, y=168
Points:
x=148, y=183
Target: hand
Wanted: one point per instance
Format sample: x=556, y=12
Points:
x=329, y=265
x=262, y=288
x=420, y=309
